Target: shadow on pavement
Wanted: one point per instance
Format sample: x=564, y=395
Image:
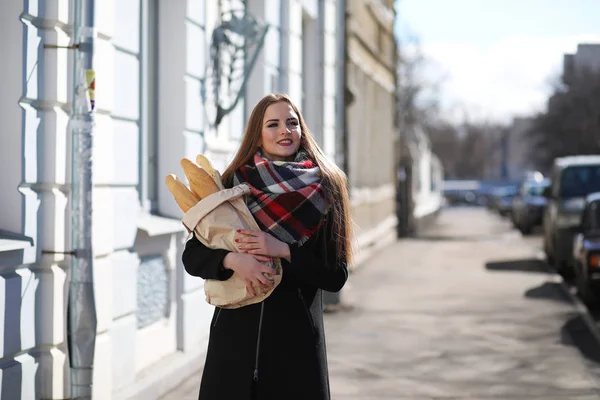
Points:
x=442, y=238
x=525, y=265
x=547, y=291
x=458, y=238
x=575, y=332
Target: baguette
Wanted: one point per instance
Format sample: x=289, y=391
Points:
x=183, y=196
x=201, y=183
x=204, y=162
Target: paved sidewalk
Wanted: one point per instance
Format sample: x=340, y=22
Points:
x=467, y=313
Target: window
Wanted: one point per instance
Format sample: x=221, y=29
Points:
x=537, y=190
x=153, y=297
x=134, y=114
x=149, y=122
x=579, y=181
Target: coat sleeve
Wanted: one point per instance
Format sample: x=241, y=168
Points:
x=207, y=263
x=316, y=264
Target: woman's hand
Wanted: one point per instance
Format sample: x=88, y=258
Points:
x=254, y=273
x=261, y=243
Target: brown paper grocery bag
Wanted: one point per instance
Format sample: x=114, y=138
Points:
x=214, y=221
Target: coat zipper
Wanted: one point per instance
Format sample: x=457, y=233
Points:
x=217, y=317
x=260, y=321
x=310, y=318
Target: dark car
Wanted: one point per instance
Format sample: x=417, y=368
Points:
x=502, y=198
x=461, y=192
x=573, y=179
x=528, y=207
x=586, y=252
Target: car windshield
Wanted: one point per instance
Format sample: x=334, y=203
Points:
x=579, y=181
x=505, y=191
x=536, y=190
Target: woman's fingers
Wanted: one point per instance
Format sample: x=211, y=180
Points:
x=250, y=289
x=261, y=258
x=267, y=270
x=263, y=280
x=248, y=241
x=248, y=232
x=249, y=246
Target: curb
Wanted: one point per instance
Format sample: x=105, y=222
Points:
x=581, y=309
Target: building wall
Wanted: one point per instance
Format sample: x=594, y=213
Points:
x=150, y=59
x=299, y=58
x=33, y=175
x=587, y=56
x=370, y=119
x=427, y=184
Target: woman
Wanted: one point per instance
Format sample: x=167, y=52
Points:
x=276, y=349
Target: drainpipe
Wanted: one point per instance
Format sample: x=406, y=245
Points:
x=81, y=314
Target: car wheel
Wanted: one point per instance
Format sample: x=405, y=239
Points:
x=549, y=256
x=525, y=229
x=565, y=270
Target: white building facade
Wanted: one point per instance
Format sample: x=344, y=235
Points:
x=150, y=60
x=427, y=178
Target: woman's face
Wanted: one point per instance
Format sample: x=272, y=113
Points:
x=281, y=133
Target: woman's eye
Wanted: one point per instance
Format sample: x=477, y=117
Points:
x=273, y=125
x=295, y=123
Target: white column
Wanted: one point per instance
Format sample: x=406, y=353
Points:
x=12, y=75
x=33, y=156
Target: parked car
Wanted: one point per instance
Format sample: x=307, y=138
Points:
x=502, y=198
x=573, y=179
x=461, y=192
x=586, y=252
x=529, y=205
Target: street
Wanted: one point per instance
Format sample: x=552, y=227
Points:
x=466, y=311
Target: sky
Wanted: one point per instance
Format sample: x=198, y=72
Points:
x=496, y=59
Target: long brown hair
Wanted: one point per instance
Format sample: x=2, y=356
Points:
x=334, y=179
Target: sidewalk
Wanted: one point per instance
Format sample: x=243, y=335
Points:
x=468, y=314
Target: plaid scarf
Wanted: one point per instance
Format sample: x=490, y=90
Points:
x=286, y=197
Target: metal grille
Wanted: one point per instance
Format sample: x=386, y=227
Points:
x=152, y=291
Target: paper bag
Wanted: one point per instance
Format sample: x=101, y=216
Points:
x=214, y=221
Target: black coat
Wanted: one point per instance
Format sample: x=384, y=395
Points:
x=287, y=359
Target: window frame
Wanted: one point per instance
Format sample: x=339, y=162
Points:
x=148, y=130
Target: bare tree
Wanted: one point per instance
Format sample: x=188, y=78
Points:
x=463, y=149
x=417, y=96
x=446, y=144
x=466, y=150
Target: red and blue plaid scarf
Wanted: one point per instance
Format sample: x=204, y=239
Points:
x=286, y=197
